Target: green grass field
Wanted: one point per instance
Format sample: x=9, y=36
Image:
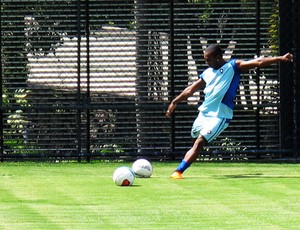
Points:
x=212, y=196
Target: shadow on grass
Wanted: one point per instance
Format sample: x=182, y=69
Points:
x=244, y=176
x=257, y=176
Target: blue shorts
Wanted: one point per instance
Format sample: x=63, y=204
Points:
x=209, y=127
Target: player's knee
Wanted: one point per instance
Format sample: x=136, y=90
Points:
x=202, y=139
x=200, y=142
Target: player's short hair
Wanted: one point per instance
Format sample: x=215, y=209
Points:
x=215, y=50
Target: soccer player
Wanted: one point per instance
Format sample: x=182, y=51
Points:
x=219, y=82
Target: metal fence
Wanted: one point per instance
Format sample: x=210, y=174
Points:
x=92, y=79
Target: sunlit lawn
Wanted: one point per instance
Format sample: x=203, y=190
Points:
x=212, y=196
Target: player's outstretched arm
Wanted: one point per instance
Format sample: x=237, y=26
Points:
x=186, y=93
x=263, y=61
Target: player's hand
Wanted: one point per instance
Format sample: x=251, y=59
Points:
x=171, y=109
x=287, y=57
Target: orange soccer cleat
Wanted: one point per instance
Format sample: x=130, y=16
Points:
x=176, y=175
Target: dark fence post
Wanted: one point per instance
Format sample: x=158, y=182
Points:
x=286, y=76
x=296, y=74
x=258, y=28
x=1, y=101
x=78, y=90
x=1, y=108
x=88, y=71
x=172, y=82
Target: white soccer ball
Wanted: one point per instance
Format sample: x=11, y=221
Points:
x=142, y=168
x=123, y=176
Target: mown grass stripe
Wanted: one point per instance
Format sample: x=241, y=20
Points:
x=212, y=196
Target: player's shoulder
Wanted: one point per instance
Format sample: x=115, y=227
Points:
x=205, y=71
x=239, y=62
x=235, y=63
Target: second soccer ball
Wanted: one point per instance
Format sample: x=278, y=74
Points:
x=142, y=168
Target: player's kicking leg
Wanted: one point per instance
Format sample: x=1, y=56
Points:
x=204, y=129
x=189, y=157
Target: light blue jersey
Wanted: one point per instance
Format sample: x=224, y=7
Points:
x=220, y=90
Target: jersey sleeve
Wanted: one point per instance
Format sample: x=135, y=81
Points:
x=234, y=65
x=200, y=76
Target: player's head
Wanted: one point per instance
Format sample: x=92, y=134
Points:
x=213, y=56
